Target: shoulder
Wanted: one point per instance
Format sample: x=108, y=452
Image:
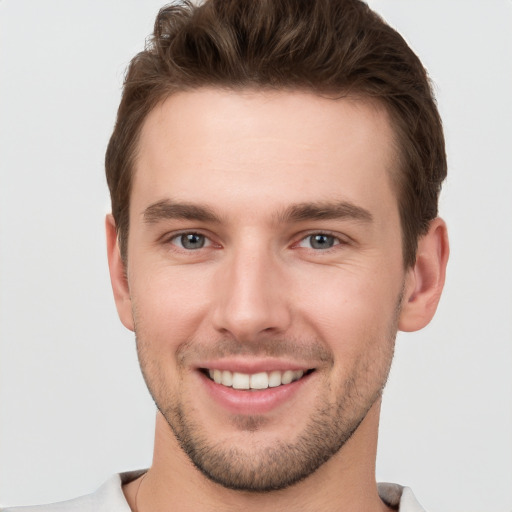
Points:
x=108, y=498
x=82, y=504
x=399, y=497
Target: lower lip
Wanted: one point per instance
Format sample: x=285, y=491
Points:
x=261, y=401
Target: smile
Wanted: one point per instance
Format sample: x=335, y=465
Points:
x=256, y=381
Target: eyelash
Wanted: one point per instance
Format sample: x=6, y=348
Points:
x=336, y=241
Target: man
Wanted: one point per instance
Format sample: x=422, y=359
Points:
x=274, y=174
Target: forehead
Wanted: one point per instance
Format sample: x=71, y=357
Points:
x=211, y=143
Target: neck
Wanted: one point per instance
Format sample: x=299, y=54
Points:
x=345, y=482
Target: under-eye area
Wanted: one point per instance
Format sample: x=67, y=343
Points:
x=255, y=381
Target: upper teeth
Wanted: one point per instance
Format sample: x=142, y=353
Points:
x=262, y=380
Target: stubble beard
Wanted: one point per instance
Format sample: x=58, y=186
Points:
x=273, y=467
x=284, y=463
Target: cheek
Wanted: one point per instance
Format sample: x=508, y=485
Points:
x=350, y=308
x=169, y=303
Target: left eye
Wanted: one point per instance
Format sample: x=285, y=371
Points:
x=190, y=241
x=319, y=241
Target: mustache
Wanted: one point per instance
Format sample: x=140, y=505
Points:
x=275, y=347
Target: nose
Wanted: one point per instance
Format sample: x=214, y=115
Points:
x=251, y=298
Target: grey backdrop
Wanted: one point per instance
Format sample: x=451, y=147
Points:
x=73, y=406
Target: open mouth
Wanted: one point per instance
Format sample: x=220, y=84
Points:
x=255, y=381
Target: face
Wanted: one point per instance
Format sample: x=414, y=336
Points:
x=265, y=276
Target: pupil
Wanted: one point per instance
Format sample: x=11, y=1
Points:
x=192, y=241
x=322, y=241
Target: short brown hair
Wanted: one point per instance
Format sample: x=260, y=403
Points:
x=335, y=47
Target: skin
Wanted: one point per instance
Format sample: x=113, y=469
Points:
x=251, y=159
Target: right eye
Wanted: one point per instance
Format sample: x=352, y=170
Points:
x=190, y=241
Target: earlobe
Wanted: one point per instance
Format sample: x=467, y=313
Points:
x=425, y=280
x=118, y=275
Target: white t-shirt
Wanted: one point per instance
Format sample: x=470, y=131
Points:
x=110, y=498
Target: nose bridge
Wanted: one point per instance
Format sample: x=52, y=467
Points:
x=250, y=293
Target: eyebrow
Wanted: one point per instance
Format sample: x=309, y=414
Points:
x=324, y=211
x=167, y=209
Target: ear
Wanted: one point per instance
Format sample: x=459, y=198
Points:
x=425, y=280
x=118, y=275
